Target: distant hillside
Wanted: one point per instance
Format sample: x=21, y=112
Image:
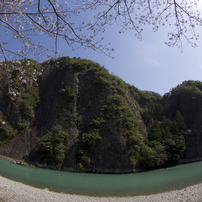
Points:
x=72, y=114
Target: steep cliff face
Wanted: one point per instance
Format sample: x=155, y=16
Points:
x=92, y=106
x=19, y=97
x=71, y=114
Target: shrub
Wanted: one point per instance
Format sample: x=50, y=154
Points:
x=31, y=99
x=86, y=146
x=69, y=97
x=6, y=133
x=89, y=141
x=80, y=167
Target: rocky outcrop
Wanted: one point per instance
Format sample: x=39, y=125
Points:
x=84, y=99
x=101, y=114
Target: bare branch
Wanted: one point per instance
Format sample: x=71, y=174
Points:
x=2, y=50
x=10, y=26
x=39, y=10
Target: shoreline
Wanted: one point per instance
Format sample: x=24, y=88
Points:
x=105, y=171
x=12, y=191
x=44, y=166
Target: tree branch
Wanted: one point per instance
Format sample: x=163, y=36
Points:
x=2, y=50
x=41, y=12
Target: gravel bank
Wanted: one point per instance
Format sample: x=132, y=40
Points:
x=11, y=191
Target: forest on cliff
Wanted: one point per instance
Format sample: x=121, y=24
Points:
x=72, y=114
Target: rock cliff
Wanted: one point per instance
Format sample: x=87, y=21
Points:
x=72, y=114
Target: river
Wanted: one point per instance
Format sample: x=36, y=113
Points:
x=144, y=183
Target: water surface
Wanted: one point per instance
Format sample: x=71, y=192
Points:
x=106, y=184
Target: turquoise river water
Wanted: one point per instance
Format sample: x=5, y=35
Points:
x=106, y=184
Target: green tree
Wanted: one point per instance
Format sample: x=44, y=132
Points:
x=168, y=134
x=30, y=101
x=6, y=132
x=152, y=155
x=155, y=132
x=51, y=147
x=89, y=141
x=180, y=121
x=86, y=146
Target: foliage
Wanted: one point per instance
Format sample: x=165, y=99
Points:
x=190, y=94
x=149, y=103
x=102, y=79
x=120, y=116
x=23, y=125
x=89, y=141
x=168, y=119
x=86, y=146
x=152, y=113
x=51, y=147
x=168, y=134
x=165, y=145
x=180, y=121
x=97, y=123
x=134, y=92
x=80, y=167
x=79, y=64
x=148, y=99
x=68, y=95
x=22, y=75
x=152, y=157
x=30, y=101
x=21, y=96
x=6, y=132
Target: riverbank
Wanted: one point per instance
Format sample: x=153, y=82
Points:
x=44, y=166
x=105, y=171
x=11, y=191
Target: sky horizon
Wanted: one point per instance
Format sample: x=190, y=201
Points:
x=148, y=64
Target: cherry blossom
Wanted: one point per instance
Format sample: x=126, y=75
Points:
x=65, y=20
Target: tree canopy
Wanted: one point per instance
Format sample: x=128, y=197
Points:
x=80, y=23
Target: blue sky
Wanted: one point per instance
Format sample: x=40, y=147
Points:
x=148, y=64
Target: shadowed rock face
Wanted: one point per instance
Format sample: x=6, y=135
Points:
x=101, y=114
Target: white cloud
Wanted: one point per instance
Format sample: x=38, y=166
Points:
x=150, y=59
